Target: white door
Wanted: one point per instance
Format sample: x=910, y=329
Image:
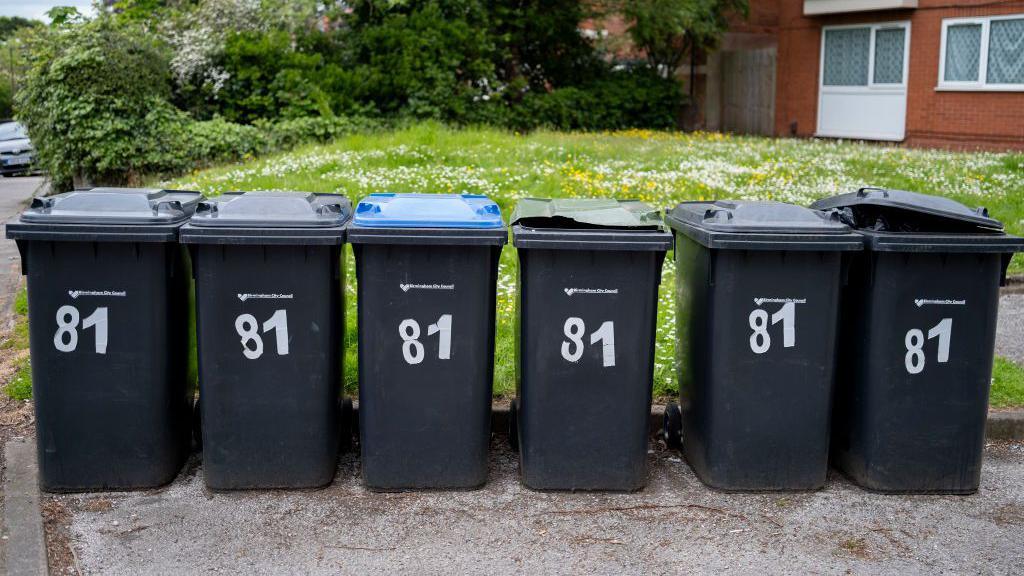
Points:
x=862, y=92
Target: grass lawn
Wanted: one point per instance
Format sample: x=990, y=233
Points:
x=660, y=168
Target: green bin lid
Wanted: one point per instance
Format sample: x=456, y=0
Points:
x=588, y=224
x=592, y=213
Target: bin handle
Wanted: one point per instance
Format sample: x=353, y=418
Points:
x=717, y=214
x=327, y=209
x=167, y=206
x=864, y=191
x=204, y=207
x=41, y=203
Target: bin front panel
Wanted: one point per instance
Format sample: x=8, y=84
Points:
x=426, y=349
x=109, y=362
x=586, y=360
x=270, y=327
x=916, y=370
x=757, y=338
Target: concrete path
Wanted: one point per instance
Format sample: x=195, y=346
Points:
x=24, y=550
x=1010, y=328
x=676, y=525
x=14, y=193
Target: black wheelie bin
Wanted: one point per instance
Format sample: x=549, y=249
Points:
x=269, y=281
x=757, y=317
x=589, y=271
x=919, y=325
x=108, y=328
x=427, y=266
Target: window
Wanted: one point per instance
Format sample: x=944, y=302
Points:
x=869, y=56
x=982, y=53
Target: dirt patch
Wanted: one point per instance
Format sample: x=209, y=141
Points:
x=856, y=547
x=60, y=556
x=16, y=416
x=1011, y=514
x=100, y=504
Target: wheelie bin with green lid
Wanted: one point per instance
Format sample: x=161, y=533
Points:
x=108, y=329
x=757, y=317
x=589, y=271
x=919, y=325
x=269, y=281
x=427, y=267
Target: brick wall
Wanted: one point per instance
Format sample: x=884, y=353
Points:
x=964, y=120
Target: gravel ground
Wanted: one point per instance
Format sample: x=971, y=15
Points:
x=1010, y=328
x=676, y=525
x=14, y=194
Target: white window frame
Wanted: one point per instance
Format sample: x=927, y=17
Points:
x=872, y=86
x=981, y=84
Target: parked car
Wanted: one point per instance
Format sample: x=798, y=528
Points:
x=17, y=156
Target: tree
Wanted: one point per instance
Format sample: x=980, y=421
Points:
x=539, y=41
x=669, y=30
x=11, y=24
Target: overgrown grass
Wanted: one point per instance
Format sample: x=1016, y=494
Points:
x=20, y=386
x=1007, y=384
x=660, y=168
x=19, y=336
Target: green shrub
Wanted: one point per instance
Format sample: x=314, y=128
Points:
x=636, y=98
x=6, y=101
x=218, y=140
x=269, y=78
x=285, y=134
x=420, y=58
x=94, y=100
x=539, y=41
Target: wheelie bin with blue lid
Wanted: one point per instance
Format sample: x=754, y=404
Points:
x=269, y=280
x=108, y=306
x=427, y=268
x=919, y=325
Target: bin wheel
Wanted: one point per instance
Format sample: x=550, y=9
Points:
x=197, y=425
x=513, y=425
x=347, y=424
x=672, y=429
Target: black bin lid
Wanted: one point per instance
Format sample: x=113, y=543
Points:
x=901, y=221
x=588, y=224
x=106, y=214
x=761, y=225
x=269, y=217
x=925, y=211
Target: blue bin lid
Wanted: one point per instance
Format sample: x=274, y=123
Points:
x=386, y=210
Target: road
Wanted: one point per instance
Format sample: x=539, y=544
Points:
x=674, y=526
x=14, y=193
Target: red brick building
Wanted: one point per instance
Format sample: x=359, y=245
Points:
x=946, y=73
